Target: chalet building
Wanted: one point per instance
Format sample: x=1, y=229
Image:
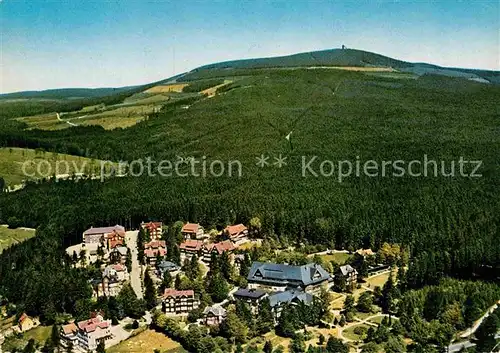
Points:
x=377, y=269
x=115, y=239
x=25, y=323
x=153, y=249
x=217, y=248
x=154, y=229
x=100, y=234
x=292, y=296
x=118, y=255
x=189, y=248
x=349, y=274
x=251, y=296
x=280, y=277
x=238, y=233
x=214, y=315
x=192, y=231
x=179, y=301
x=86, y=335
x=166, y=266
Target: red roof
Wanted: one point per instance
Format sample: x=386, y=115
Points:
x=170, y=292
x=152, y=225
x=91, y=324
x=190, y=228
x=155, y=244
x=221, y=246
x=235, y=230
x=113, y=243
x=191, y=245
x=118, y=267
x=155, y=252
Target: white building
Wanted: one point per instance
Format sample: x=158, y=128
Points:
x=87, y=334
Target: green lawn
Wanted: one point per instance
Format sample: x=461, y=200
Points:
x=13, y=236
x=35, y=164
x=39, y=334
x=363, y=316
x=146, y=342
x=349, y=332
x=377, y=320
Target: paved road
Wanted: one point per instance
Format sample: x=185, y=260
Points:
x=135, y=274
x=456, y=347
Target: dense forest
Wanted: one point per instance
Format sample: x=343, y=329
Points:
x=450, y=224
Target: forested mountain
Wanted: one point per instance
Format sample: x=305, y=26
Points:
x=351, y=57
x=449, y=223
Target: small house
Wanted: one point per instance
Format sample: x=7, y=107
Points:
x=154, y=229
x=238, y=233
x=25, y=323
x=214, y=315
x=179, y=301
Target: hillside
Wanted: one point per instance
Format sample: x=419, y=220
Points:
x=41, y=164
x=335, y=115
x=65, y=93
x=447, y=222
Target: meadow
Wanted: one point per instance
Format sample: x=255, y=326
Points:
x=147, y=342
x=37, y=163
x=9, y=236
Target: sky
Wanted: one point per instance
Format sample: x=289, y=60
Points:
x=106, y=43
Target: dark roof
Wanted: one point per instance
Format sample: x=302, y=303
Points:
x=215, y=310
x=249, y=293
x=289, y=296
x=302, y=275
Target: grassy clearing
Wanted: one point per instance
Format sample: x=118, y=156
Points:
x=317, y=331
x=40, y=334
x=176, y=87
x=147, y=342
x=13, y=236
x=359, y=68
x=363, y=316
x=210, y=92
x=44, y=122
x=377, y=281
x=391, y=75
x=8, y=322
x=377, y=320
x=112, y=117
x=337, y=302
x=339, y=258
x=12, y=159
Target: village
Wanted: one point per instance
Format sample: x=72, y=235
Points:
x=181, y=281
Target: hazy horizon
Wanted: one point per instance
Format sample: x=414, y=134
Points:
x=49, y=45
